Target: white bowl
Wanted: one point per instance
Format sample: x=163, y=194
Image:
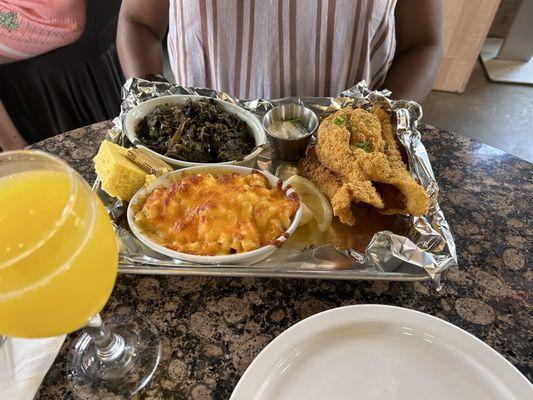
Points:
x=249, y=257
x=134, y=116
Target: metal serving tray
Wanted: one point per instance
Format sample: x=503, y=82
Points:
x=422, y=251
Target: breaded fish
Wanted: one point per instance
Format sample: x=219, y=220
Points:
x=341, y=195
x=417, y=200
x=390, y=148
x=359, y=150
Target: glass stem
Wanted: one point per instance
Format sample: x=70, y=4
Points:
x=109, y=346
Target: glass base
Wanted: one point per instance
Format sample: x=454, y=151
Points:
x=123, y=367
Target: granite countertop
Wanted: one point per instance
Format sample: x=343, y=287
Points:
x=212, y=328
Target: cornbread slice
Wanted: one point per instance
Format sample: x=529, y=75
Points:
x=120, y=177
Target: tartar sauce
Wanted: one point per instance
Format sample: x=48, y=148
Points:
x=291, y=129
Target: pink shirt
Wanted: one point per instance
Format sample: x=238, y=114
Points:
x=32, y=27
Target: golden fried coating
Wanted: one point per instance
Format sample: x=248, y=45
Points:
x=341, y=195
x=329, y=184
x=390, y=148
x=333, y=151
x=417, y=202
x=364, y=127
x=357, y=160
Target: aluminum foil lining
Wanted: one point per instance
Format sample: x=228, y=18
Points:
x=425, y=252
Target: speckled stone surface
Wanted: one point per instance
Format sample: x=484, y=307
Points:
x=212, y=328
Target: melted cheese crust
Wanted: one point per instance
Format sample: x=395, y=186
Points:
x=207, y=214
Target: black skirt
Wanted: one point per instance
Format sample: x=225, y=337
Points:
x=67, y=88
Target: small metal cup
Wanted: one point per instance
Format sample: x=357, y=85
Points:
x=290, y=149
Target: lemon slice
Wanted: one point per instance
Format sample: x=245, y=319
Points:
x=314, y=200
x=285, y=171
x=307, y=215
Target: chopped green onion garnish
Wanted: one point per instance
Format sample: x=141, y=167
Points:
x=364, y=145
x=340, y=120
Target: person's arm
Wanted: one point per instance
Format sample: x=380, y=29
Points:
x=141, y=27
x=10, y=138
x=418, y=49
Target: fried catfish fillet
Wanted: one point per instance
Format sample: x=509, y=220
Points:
x=357, y=156
x=341, y=195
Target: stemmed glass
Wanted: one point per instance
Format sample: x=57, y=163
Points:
x=58, y=265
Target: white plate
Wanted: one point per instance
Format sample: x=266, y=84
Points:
x=141, y=110
x=379, y=352
x=249, y=257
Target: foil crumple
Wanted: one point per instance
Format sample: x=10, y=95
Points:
x=424, y=253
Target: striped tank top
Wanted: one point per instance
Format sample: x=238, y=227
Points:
x=279, y=48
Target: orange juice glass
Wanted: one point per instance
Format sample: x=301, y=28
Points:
x=56, y=245
x=58, y=265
